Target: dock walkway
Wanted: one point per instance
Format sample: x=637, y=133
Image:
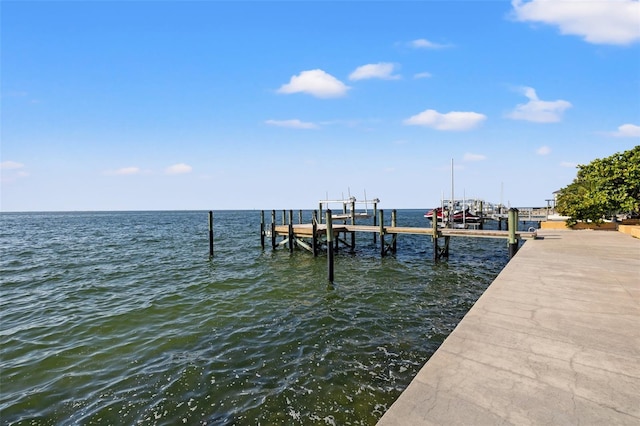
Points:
x=306, y=230
x=555, y=339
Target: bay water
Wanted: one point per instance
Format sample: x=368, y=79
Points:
x=122, y=318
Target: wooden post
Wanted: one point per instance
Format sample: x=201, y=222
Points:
x=353, y=222
x=481, y=215
x=382, y=233
x=353, y=212
x=291, y=237
x=394, y=222
x=262, y=229
x=314, y=232
x=284, y=217
x=320, y=210
x=210, y=234
x=446, y=246
x=434, y=222
x=273, y=229
x=344, y=233
x=375, y=216
x=300, y=216
x=513, y=227
x=329, y=246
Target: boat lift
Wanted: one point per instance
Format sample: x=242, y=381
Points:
x=349, y=208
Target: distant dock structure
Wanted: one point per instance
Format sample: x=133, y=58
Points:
x=327, y=230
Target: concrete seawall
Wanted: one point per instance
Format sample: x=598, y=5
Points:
x=555, y=339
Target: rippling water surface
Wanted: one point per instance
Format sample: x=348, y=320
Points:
x=120, y=318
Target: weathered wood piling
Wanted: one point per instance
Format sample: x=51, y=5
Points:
x=513, y=225
x=330, y=236
x=438, y=252
x=210, y=234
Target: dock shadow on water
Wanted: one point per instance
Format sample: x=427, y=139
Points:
x=119, y=318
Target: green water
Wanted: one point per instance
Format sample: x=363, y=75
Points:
x=120, y=318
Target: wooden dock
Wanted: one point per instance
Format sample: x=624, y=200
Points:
x=316, y=237
x=306, y=231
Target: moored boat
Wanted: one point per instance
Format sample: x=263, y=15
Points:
x=459, y=216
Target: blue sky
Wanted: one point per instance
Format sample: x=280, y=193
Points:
x=274, y=105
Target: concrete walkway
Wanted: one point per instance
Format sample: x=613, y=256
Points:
x=555, y=340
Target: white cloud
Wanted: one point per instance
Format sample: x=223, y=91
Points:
x=598, y=22
x=12, y=170
x=11, y=165
x=178, y=169
x=543, y=150
x=127, y=171
x=455, y=120
x=422, y=75
x=292, y=124
x=316, y=83
x=627, y=131
x=473, y=157
x=537, y=110
x=382, y=70
x=422, y=43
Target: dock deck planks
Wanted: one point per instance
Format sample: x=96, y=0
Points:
x=306, y=230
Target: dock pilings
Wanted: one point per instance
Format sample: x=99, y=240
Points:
x=384, y=246
x=312, y=236
x=513, y=226
x=210, y=234
x=293, y=238
x=438, y=252
x=382, y=232
x=329, y=246
x=263, y=234
x=273, y=229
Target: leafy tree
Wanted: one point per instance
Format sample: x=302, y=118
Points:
x=602, y=188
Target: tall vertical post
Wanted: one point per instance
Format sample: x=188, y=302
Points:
x=394, y=222
x=210, y=234
x=434, y=222
x=353, y=212
x=344, y=215
x=320, y=212
x=329, y=246
x=314, y=232
x=262, y=229
x=284, y=217
x=381, y=233
x=353, y=222
x=291, y=237
x=513, y=227
x=273, y=229
x=447, y=239
x=481, y=215
x=300, y=216
x=375, y=217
